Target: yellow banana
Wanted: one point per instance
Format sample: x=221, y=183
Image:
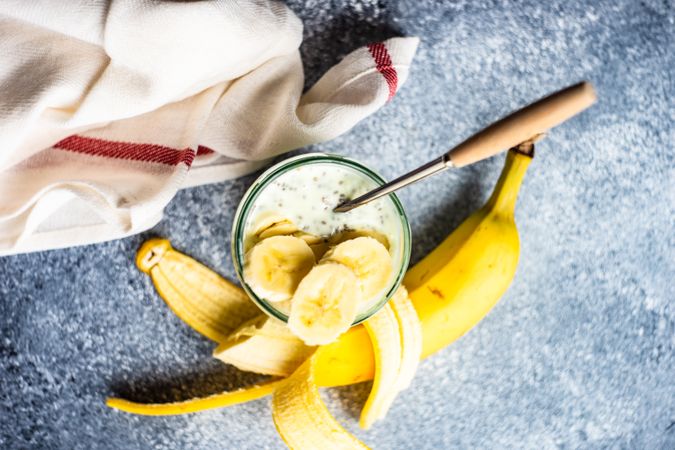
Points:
x=460, y=281
x=451, y=289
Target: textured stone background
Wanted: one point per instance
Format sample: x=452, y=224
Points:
x=580, y=353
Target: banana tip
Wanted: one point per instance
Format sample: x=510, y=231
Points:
x=151, y=252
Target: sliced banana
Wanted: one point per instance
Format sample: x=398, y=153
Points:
x=369, y=260
x=318, y=244
x=346, y=235
x=283, y=228
x=266, y=225
x=276, y=265
x=319, y=250
x=311, y=239
x=325, y=304
x=266, y=220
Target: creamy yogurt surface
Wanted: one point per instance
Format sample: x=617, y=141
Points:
x=307, y=194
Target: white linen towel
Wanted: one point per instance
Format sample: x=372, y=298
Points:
x=107, y=108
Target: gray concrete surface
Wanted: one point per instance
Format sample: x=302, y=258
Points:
x=578, y=354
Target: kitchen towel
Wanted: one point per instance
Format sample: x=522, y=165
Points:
x=107, y=108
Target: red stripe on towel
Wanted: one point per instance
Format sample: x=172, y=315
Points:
x=383, y=65
x=127, y=150
x=202, y=151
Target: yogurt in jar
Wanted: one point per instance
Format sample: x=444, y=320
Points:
x=307, y=194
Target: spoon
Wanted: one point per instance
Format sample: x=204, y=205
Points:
x=526, y=124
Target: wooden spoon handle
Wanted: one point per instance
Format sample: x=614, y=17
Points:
x=524, y=124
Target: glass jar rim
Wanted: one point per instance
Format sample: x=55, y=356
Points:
x=251, y=194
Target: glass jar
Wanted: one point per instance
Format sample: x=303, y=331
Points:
x=247, y=202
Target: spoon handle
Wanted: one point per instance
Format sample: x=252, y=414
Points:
x=526, y=124
x=523, y=124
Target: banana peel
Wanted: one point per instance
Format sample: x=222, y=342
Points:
x=263, y=345
x=384, y=333
x=302, y=418
x=196, y=404
x=451, y=290
x=207, y=302
x=410, y=332
x=397, y=345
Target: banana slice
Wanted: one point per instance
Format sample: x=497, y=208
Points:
x=346, y=235
x=276, y=265
x=264, y=345
x=267, y=224
x=319, y=250
x=325, y=304
x=283, y=228
x=311, y=239
x=267, y=220
x=318, y=244
x=369, y=260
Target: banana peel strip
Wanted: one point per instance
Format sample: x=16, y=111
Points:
x=196, y=404
x=264, y=345
x=215, y=308
x=411, y=337
x=396, y=335
x=383, y=329
x=301, y=417
x=204, y=300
